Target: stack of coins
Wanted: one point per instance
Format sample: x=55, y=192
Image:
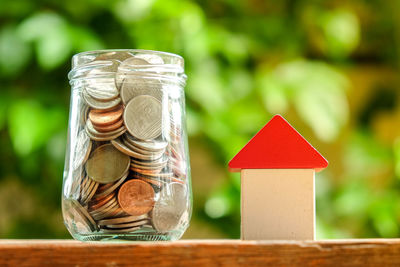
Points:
x=130, y=171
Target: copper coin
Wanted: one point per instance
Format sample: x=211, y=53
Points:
x=103, y=118
x=114, y=186
x=136, y=197
x=108, y=128
x=104, y=187
x=100, y=202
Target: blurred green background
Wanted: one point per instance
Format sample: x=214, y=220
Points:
x=330, y=67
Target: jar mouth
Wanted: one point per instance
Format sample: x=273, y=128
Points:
x=108, y=63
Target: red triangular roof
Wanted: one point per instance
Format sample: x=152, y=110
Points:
x=278, y=146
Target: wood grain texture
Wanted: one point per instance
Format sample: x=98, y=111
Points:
x=358, y=252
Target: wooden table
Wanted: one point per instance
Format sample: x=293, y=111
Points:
x=354, y=252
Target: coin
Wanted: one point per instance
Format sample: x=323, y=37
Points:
x=109, y=128
x=89, y=191
x=107, y=164
x=100, y=137
x=100, y=104
x=82, y=149
x=142, y=117
x=162, y=162
x=112, y=187
x=118, y=231
x=146, y=172
x=152, y=181
x=167, y=212
x=128, y=66
x=104, y=118
x=136, y=86
x=125, y=219
x=104, y=91
x=147, y=145
x=75, y=219
x=117, y=55
x=150, y=58
x=136, y=197
x=144, y=167
x=110, y=203
x=97, y=203
x=84, y=213
x=121, y=146
x=127, y=225
x=154, y=155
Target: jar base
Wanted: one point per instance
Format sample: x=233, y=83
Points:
x=128, y=237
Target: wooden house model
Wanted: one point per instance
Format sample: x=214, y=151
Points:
x=277, y=168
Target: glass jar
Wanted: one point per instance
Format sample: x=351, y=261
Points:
x=127, y=174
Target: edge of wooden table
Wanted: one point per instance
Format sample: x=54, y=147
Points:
x=350, y=252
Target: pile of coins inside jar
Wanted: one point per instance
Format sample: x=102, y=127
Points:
x=129, y=169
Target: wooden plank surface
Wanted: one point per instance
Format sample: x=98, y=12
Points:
x=357, y=252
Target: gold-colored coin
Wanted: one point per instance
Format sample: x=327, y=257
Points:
x=107, y=164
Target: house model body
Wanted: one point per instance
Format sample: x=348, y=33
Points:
x=277, y=170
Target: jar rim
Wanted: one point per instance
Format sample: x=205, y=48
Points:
x=170, y=68
x=144, y=51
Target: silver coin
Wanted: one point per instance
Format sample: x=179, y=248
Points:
x=115, y=55
x=74, y=219
x=167, y=212
x=147, y=145
x=82, y=149
x=142, y=117
x=125, y=219
x=134, y=86
x=106, y=138
x=126, y=66
x=100, y=104
x=150, y=58
x=84, y=213
x=154, y=155
x=159, y=163
x=120, y=145
x=103, y=91
x=141, y=167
